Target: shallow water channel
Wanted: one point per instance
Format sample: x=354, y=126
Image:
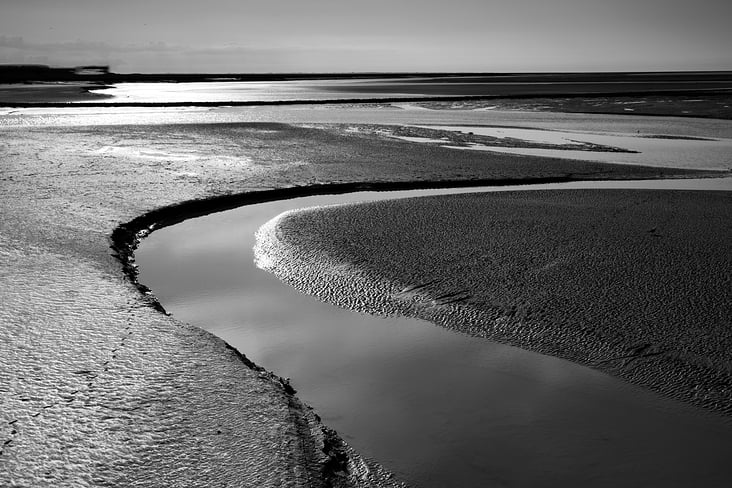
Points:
x=435, y=407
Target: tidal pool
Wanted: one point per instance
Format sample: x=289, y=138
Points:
x=435, y=407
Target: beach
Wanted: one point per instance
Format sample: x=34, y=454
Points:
x=365, y=244
x=99, y=386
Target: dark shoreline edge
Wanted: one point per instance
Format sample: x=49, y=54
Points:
x=345, y=101
x=126, y=237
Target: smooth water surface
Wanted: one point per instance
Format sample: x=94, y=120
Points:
x=242, y=91
x=385, y=87
x=436, y=407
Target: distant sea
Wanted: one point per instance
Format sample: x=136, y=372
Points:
x=414, y=87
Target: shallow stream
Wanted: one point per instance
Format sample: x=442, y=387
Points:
x=435, y=407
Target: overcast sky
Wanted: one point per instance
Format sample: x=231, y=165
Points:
x=369, y=35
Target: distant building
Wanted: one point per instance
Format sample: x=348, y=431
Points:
x=91, y=70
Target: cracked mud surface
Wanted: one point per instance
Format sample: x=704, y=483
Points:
x=635, y=283
x=100, y=389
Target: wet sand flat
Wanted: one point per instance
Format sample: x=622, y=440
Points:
x=635, y=283
x=98, y=387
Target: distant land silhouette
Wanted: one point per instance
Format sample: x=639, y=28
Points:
x=675, y=93
x=29, y=73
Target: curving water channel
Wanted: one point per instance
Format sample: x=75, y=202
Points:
x=435, y=407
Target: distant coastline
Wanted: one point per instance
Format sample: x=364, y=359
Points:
x=28, y=73
x=682, y=94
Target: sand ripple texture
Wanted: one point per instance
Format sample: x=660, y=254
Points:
x=636, y=283
x=97, y=388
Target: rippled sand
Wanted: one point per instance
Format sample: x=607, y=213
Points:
x=631, y=282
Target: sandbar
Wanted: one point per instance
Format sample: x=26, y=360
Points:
x=635, y=283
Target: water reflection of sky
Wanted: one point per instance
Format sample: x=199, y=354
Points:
x=234, y=91
x=254, y=91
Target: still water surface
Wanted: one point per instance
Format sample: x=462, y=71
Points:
x=243, y=91
x=355, y=88
x=436, y=407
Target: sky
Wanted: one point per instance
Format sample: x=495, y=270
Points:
x=266, y=36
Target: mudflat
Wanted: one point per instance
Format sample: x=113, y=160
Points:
x=99, y=387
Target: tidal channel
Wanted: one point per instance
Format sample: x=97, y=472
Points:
x=435, y=407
